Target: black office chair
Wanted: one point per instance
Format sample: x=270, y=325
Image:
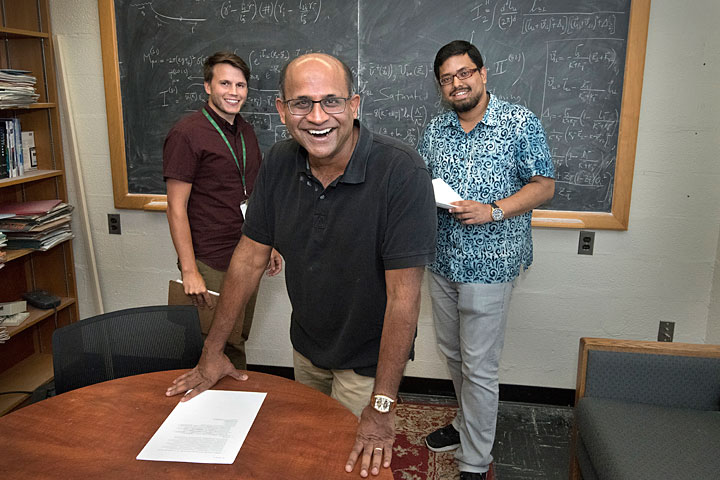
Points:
x=126, y=342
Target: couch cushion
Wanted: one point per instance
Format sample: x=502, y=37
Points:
x=636, y=441
x=669, y=380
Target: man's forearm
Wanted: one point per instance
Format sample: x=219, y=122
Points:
x=182, y=239
x=247, y=265
x=401, y=315
x=538, y=191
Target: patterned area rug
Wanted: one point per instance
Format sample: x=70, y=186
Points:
x=411, y=458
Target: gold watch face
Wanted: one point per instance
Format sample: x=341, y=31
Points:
x=497, y=214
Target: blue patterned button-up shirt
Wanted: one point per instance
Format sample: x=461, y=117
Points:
x=495, y=160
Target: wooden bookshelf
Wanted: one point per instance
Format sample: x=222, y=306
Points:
x=30, y=176
x=24, y=376
x=38, y=315
x=26, y=358
x=15, y=254
x=21, y=33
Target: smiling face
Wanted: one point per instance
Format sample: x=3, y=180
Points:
x=463, y=95
x=227, y=90
x=328, y=138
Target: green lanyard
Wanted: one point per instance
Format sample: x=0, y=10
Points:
x=242, y=139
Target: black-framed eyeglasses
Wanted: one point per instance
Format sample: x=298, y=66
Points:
x=330, y=105
x=461, y=75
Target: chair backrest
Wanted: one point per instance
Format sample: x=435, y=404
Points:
x=126, y=342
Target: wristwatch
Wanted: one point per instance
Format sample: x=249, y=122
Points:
x=497, y=213
x=382, y=403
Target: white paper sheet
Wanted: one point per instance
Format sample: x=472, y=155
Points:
x=444, y=194
x=209, y=428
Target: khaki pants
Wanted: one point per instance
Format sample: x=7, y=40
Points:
x=347, y=387
x=235, y=348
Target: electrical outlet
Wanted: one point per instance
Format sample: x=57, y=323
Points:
x=666, y=331
x=586, y=243
x=114, y=224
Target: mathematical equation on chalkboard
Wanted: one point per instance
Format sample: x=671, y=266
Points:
x=563, y=61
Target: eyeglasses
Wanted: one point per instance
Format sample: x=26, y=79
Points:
x=303, y=106
x=461, y=75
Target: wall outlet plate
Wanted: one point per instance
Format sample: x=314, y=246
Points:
x=666, y=331
x=586, y=243
x=114, y=224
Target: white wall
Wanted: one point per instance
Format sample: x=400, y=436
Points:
x=713, y=330
x=663, y=268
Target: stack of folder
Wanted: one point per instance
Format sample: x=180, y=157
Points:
x=39, y=225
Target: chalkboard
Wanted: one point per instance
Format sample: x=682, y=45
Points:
x=577, y=65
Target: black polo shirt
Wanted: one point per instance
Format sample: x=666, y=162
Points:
x=337, y=242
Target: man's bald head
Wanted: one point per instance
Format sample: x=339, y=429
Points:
x=315, y=58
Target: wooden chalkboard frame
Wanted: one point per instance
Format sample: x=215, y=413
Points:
x=617, y=219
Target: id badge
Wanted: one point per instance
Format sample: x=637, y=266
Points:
x=243, y=208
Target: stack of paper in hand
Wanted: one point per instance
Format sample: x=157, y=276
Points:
x=39, y=225
x=444, y=194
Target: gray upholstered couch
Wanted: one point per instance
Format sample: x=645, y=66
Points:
x=646, y=410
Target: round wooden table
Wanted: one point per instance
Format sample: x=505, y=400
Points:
x=97, y=431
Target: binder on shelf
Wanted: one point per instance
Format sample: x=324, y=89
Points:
x=33, y=207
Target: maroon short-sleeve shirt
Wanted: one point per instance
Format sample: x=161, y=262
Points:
x=194, y=152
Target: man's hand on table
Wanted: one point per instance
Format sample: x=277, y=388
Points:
x=209, y=370
x=374, y=442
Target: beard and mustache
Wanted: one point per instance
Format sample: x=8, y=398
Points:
x=466, y=104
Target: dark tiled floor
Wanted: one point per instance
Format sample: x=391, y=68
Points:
x=532, y=440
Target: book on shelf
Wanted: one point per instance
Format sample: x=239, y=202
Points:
x=29, y=153
x=13, y=148
x=4, y=168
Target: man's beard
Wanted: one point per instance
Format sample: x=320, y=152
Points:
x=467, y=104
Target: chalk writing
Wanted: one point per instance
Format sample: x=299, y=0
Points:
x=563, y=60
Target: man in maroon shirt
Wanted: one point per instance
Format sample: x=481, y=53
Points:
x=210, y=161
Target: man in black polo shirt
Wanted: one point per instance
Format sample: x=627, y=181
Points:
x=353, y=214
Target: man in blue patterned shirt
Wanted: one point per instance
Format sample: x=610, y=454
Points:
x=495, y=156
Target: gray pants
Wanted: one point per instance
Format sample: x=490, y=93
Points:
x=470, y=323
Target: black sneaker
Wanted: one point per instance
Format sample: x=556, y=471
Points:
x=443, y=439
x=473, y=476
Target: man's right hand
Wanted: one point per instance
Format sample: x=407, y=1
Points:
x=209, y=370
x=194, y=286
